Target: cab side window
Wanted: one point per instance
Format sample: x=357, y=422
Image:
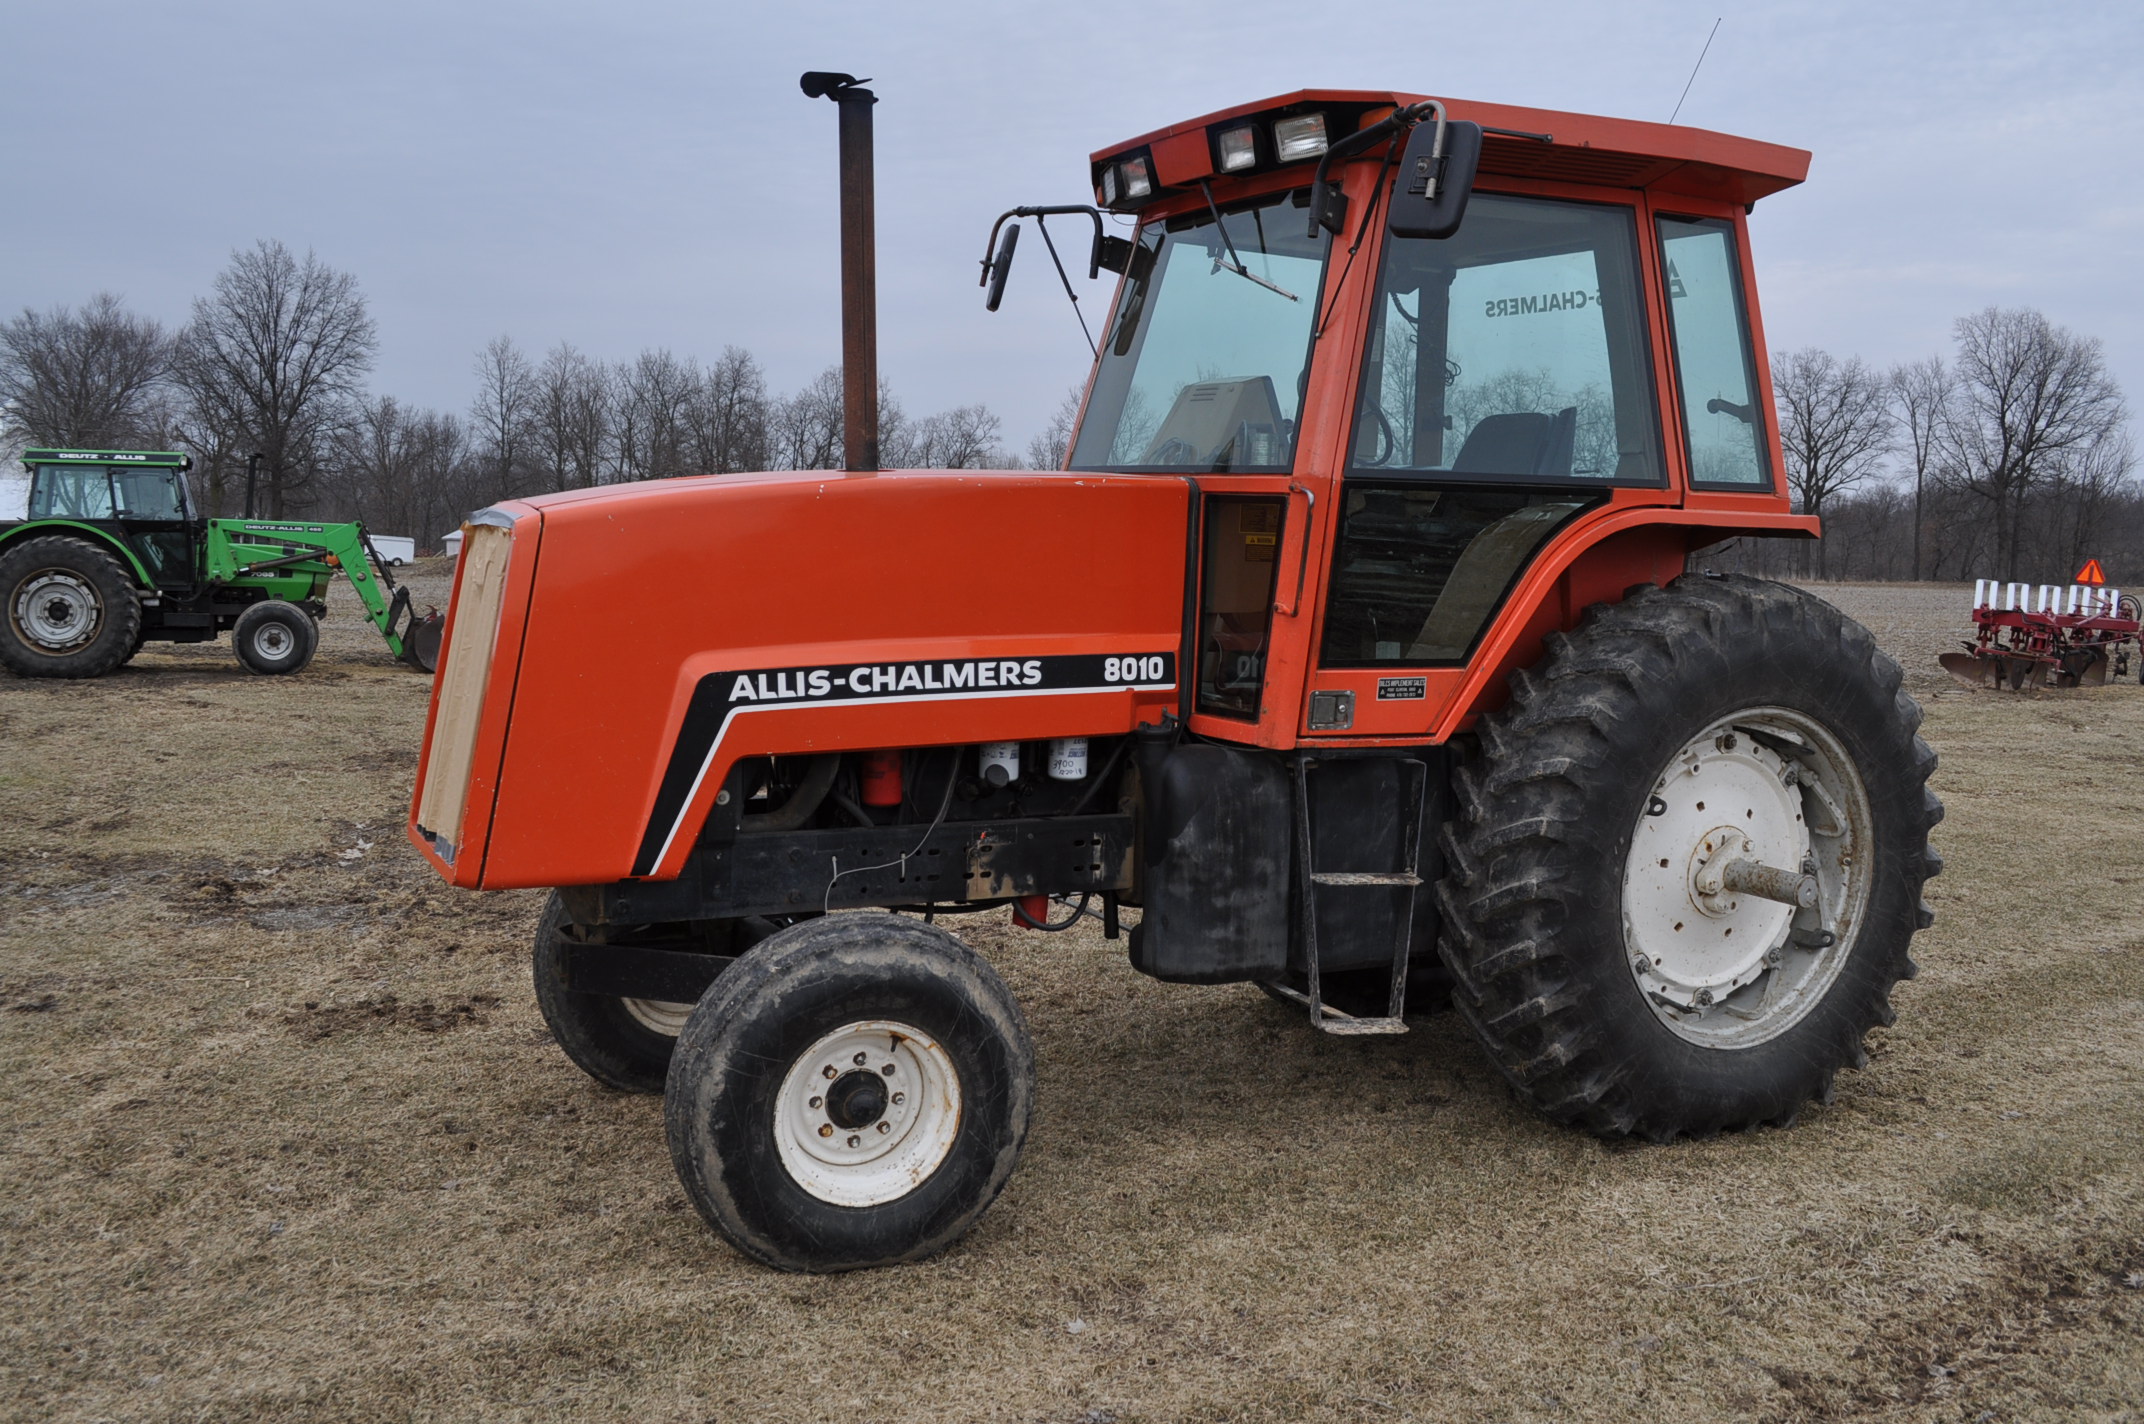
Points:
x=1714, y=364
x=71, y=492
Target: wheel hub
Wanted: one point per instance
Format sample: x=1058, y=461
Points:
x=1762, y=789
x=57, y=611
x=867, y=1113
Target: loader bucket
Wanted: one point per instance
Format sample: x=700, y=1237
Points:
x=420, y=645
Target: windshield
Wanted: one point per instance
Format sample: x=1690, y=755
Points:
x=1206, y=363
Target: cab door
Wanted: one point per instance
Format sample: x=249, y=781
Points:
x=1507, y=392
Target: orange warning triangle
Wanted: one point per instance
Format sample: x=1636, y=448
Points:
x=2090, y=573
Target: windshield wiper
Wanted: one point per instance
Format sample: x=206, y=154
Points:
x=1235, y=263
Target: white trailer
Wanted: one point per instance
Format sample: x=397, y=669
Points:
x=394, y=549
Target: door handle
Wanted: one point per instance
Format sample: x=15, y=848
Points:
x=1302, y=565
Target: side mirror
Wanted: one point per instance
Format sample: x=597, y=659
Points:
x=1001, y=266
x=1430, y=199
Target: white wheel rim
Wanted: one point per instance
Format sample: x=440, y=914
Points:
x=658, y=1015
x=867, y=1113
x=1730, y=970
x=57, y=610
x=272, y=640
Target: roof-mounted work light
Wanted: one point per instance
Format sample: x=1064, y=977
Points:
x=1236, y=149
x=1300, y=137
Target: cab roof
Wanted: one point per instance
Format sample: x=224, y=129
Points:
x=1581, y=148
x=167, y=459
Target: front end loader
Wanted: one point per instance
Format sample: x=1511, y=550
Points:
x=1357, y=650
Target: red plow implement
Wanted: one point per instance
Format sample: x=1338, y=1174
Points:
x=2049, y=636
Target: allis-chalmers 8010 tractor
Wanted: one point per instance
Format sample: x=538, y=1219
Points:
x=1354, y=646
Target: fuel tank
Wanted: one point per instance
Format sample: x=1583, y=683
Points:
x=611, y=653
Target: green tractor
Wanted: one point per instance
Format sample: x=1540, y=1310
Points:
x=110, y=553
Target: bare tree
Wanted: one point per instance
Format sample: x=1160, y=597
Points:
x=806, y=428
x=729, y=415
x=403, y=469
x=505, y=398
x=570, y=425
x=2034, y=401
x=273, y=358
x=655, y=391
x=964, y=438
x=1834, y=426
x=1921, y=396
x=1048, y=450
x=90, y=378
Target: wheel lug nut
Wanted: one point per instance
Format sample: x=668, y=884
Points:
x=818, y=1102
x=828, y=1072
x=826, y=1129
x=855, y=1141
x=860, y=1059
x=885, y=1127
x=900, y=1097
x=887, y=1070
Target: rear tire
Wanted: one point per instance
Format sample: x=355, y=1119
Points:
x=67, y=609
x=621, y=1043
x=854, y=1092
x=1595, y=967
x=275, y=638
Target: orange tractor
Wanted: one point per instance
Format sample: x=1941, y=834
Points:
x=1354, y=648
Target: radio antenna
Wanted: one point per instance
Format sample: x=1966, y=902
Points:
x=1695, y=67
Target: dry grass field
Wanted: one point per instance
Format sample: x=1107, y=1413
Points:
x=282, y=1137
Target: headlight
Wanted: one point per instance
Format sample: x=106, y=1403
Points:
x=1300, y=137
x=1139, y=180
x=1238, y=148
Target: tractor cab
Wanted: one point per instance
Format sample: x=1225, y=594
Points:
x=136, y=496
x=1407, y=350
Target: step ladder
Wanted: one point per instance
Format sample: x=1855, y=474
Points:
x=1323, y=1016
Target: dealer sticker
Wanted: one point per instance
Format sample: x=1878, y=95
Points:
x=1402, y=689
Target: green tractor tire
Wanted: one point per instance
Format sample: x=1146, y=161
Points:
x=70, y=609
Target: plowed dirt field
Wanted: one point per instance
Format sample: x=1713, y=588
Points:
x=283, y=1137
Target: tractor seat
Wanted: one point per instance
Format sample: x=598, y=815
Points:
x=1519, y=443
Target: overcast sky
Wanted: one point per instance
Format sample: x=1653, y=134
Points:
x=625, y=175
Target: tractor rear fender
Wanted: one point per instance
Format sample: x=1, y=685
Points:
x=1597, y=561
x=89, y=532
x=644, y=638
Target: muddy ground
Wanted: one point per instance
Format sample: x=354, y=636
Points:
x=282, y=1137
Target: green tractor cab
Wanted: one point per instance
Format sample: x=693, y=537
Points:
x=109, y=553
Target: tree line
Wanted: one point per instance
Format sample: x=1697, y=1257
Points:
x=273, y=360
x=2012, y=459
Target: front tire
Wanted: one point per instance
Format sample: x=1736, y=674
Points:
x=621, y=1043
x=1593, y=950
x=67, y=609
x=275, y=638
x=853, y=1092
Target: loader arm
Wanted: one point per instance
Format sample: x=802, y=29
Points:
x=241, y=550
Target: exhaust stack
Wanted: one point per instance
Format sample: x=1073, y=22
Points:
x=859, y=267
